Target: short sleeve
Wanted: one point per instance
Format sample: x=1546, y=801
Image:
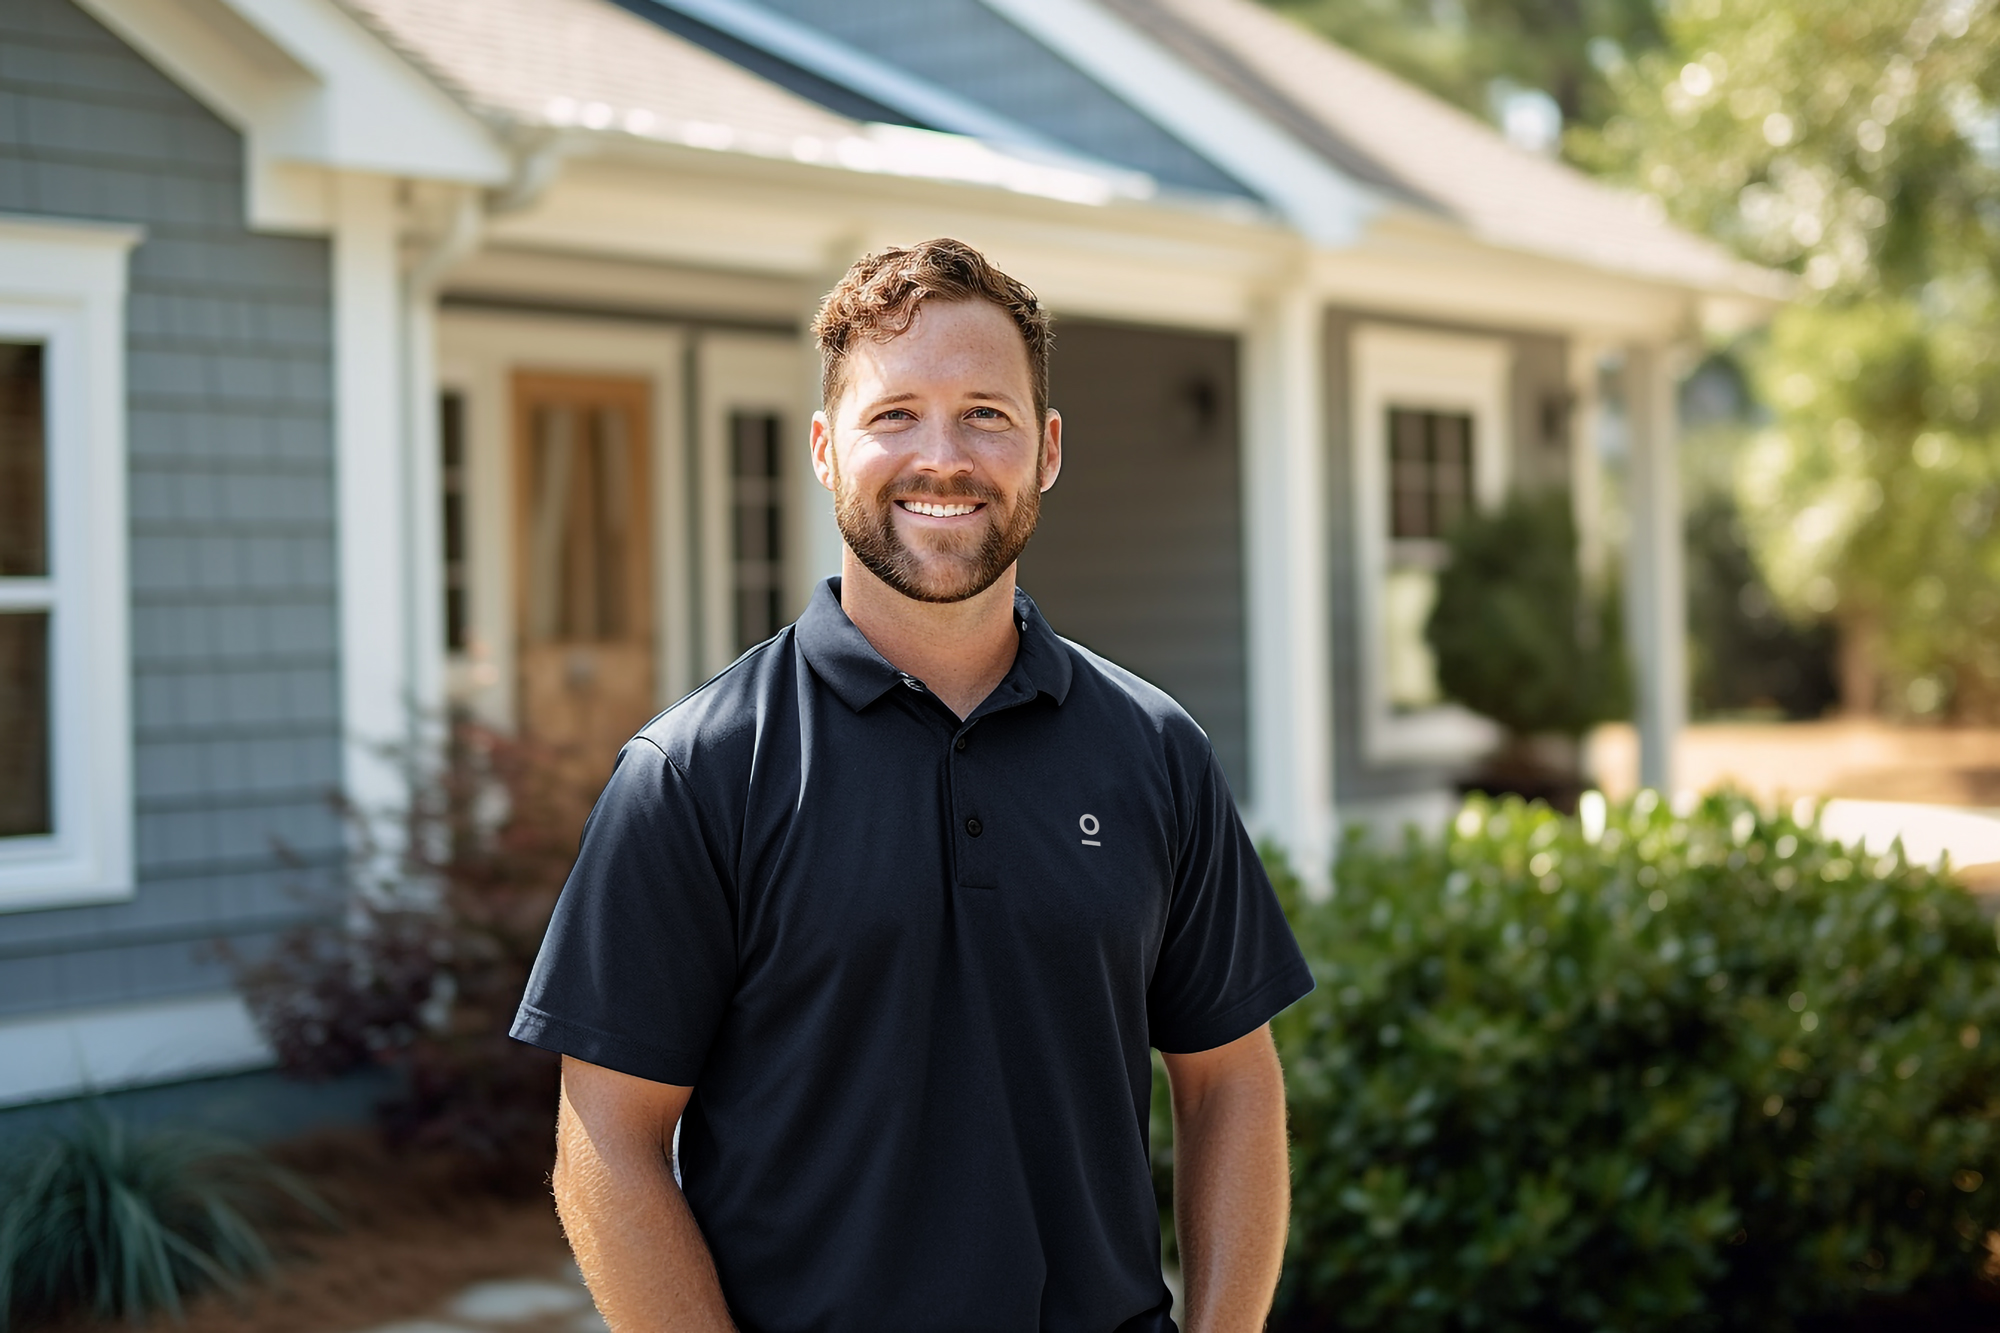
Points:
x=639, y=963
x=1228, y=963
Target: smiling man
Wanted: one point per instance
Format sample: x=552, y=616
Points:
x=856, y=976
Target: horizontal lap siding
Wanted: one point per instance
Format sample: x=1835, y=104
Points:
x=229, y=373
x=1140, y=553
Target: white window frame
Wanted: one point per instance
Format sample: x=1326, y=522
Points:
x=1419, y=370
x=742, y=373
x=62, y=283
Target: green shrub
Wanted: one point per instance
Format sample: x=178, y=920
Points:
x=121, y=1224
x=1711, y=1072
x=1518, y=635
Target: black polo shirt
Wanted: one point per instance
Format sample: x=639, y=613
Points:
x=911, y=967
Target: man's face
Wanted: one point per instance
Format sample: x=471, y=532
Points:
x=933, y=454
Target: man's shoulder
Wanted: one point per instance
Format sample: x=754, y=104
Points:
x=1127, y=697
x=722, y=714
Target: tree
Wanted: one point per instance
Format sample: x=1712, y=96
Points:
x=1473, y=52
x=1858, y=146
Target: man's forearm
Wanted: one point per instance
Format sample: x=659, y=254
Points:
x=635, y=1239
x=1232, y=1195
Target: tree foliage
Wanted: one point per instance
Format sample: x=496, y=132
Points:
x=1858, y=146
x=1466, y=50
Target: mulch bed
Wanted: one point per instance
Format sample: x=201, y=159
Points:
x=415, y=1231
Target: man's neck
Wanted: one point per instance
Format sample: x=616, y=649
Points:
x=960, y=650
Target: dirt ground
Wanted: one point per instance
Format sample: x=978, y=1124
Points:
x=414, y=1234
x=1863, y=760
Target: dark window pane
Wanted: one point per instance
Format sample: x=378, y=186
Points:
x=451, y=450
x=451, y=428
x=24, y=724
x=757, y=524
x=1430, y=472
x=24, y=549
x=454, y=618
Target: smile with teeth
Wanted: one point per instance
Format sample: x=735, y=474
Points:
x=931, y=509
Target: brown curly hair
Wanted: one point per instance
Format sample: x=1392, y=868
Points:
x=880, y=294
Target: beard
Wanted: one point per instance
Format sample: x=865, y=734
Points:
x=949, y=567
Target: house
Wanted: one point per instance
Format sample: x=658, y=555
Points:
x=362, y=357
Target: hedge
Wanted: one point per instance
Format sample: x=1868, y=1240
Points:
x=1643, y=1071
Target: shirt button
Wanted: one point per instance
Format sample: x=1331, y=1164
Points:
x=914, y=683
x=972, y=827
x=958, y=744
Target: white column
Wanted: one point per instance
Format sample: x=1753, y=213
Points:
x=1655, y=578
x=1586, y=482
x=423, y=467
x=1285, y=531
x=818, y=545
x=424, y=523
x=370, y=494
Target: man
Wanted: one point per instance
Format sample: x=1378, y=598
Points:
x=869, y=935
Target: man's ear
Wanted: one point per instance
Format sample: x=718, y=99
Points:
x=1051, y=448
x=822, y=449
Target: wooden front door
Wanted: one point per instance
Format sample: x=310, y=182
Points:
x=584, y=565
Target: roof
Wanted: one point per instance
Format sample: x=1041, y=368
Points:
x=592, y=66
x=588, y=63
x=1423, y=152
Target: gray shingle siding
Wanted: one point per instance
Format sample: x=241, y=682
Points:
x=234, y=653
x=1140, y=552
x=975, y=53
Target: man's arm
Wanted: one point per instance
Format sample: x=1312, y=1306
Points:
x=1232, y=1181
x=634, y=1238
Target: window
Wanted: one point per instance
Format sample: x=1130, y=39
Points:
x=756, y=527
x=25, y=804
x=65, y=675
x=454, y=487
x=1430, y=472
x=1429, y=446
x=1430, y=489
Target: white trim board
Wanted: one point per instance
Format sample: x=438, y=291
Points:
x=51, y=1056
x=1413, y=368
x=63, y=284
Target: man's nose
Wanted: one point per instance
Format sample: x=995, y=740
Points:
x=937, y=446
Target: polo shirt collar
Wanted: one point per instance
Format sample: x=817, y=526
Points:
x=842, y=657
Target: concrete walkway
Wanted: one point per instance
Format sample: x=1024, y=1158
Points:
x=559, y=1304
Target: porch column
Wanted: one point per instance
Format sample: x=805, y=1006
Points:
x=1655, y=578
x=370, y=490
x=1285, y=530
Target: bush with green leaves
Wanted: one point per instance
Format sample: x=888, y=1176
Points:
x=100, y=1219
x=1637, y=1072
x=1518, y=633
